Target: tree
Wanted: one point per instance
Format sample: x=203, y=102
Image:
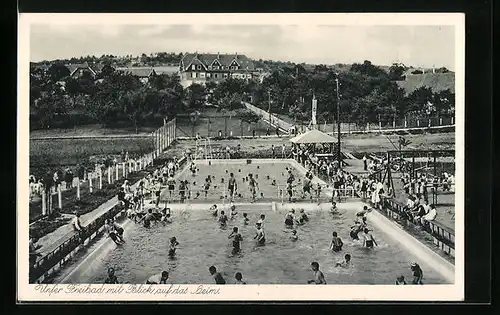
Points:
x=248, y=116
x=195, y=96
x=396, y=72
x=57, y=72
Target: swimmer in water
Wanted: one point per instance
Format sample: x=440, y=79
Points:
x=336, y=243
x=222, y=219
x=206, y=186
x=111, y=279
x=214, y=210
x=418, y=274
x=233, y=212
x=368, y=239
x=259, y=235
x=239, y=278
x=160, y=278
x=289, y=190
x=167, y=218
x=173, y=246
x=333, y=208
x=261, y=220
x=355, y=231
x=289, y=218
x=345, y=263
x=245, y=218
x=237, y=239
x=303, y=215
x=319, y=277
x=193, y=169
x=148, y=218
x=400, y=280
x=217, y=276
x=294, y=236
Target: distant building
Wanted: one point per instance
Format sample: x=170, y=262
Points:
x=202, y=68
x=78, y=70
x=143, y=73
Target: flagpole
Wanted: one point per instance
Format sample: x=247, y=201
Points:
x=339, y=159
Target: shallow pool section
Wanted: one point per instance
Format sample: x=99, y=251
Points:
x=204, y=243
x=264, y=171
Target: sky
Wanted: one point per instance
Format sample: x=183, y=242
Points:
x=418, y=45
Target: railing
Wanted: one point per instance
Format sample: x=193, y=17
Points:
x=443, y=236
x=42, y=268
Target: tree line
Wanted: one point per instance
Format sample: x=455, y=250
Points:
x=367, y=93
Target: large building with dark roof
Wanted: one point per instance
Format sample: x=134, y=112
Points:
x=202, y=68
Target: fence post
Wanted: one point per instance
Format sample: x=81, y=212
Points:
x=440, y=121
x=124, y=169
x=394, y=124
x=406, y=123
x=129, y=166
x=78, y=189
x=44, y=202
x=452, y=120
x=379, y=125
x=117, y=169
x=90, y=181
x=100, y=178
x=59, y=197
x=418, y=122
x=429, y=123
x=368, y=126
x=109, y=174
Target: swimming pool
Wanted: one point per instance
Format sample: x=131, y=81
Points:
x=204, y=243
x=265, y=172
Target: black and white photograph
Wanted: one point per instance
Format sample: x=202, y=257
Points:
x=302, y=156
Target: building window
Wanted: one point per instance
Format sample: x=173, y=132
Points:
x=208, y=75
x=202, y=74
x=198, y=67
x=215, y=75
x=209, y=67
x=216, y=67
x=193, y=67
x=225, y=75
x=232, y=67
x=193, y=75
x=249, y=76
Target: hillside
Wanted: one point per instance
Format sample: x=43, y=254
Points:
x=436, y=81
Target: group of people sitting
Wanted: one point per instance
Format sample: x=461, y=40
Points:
x=419, y=211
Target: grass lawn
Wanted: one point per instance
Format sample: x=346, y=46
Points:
x=90, y=130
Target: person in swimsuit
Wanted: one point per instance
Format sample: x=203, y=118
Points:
x=171, y=185
x=369, y=240
x=418, y=274
x=231, y=186
x=303, y=215
x=173, y=246
x=261, y=220
x=306, y=188
x=333, y=208
x=355, y=229
x=318, y=191
x=289, y=218
x=245, y=218
x=237, y=239
x=148, y=218
x=336, y=243
x=217, y=276
x=239, y=278
x=214, y=210
x=158, y=278
x=110, y=230
x=259, y=235
x=119, y=230
x=345, y=263
x=232, y=212
x=252, y=183
x=206, y=186
x=193, y=169
x=222, y=219
x=289, y=190
x=294, y=237
x=111, y=279
x=319, y=277
x=400, y=280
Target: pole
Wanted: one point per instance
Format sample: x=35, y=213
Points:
x=339, y=158
x=117, y=169
x=434, y=192
x=100, y=178
x=90, y=181
x=44, y=202
x=59, y=197
x=78, y=189
x=109, y=175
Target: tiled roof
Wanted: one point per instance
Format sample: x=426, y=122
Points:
x=73, y=67
x=224, y=59
x=166, y=70
x=141, y=72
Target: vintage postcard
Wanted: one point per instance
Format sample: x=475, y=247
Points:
x=250, y=157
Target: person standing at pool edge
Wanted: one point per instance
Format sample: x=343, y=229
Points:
x=418, y=274
x=231, y=186
x=158, y=278
x=217, y=276
x=259, y=235
x=368, y=240
x=252, y=183
x=319, y=277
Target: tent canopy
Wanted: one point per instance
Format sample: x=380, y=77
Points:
x=313, y=136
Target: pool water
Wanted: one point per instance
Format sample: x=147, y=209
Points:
x=204, y=243
x=277, y=171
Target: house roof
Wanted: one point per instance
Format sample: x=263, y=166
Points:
x=313, y=136
x=224, y=59
x=75, y=66
x=141, y=72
